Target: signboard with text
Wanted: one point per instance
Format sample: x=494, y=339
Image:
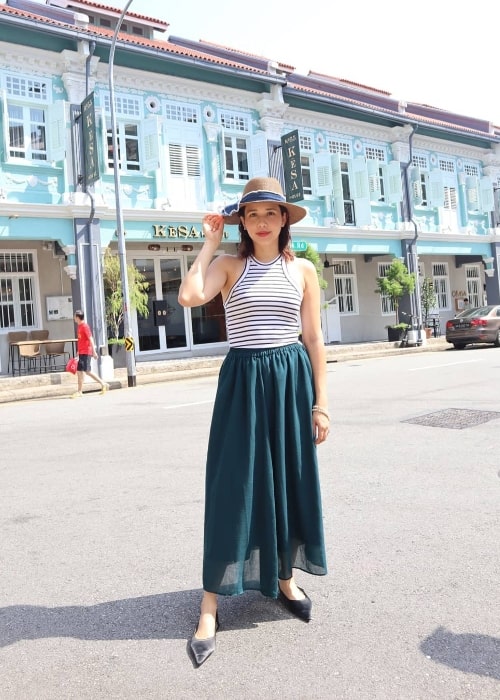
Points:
x=294, y=190
x=91, y=160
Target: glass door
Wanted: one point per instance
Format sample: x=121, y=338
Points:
x=175, y=325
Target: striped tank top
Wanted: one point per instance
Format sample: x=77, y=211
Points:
x=263, y=306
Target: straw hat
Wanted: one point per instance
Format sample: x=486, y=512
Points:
x=262, y=189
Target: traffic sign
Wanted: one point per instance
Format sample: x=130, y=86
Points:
x=129, y=344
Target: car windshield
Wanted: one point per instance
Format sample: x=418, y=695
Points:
x=475, y=313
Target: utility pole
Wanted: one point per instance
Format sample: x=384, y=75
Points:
x=127, y=326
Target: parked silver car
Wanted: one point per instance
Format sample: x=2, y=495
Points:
x=479, y=325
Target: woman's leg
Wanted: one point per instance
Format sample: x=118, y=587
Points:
x=208, y=611
x=290, y=589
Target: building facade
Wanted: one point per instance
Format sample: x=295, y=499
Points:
x=193, y=123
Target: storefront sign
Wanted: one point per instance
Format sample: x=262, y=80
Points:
x=292, y=171
x=91, y=160
x=299, y=245
x=182, y=231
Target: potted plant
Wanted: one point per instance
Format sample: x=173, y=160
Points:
x=113, y=300
x=395, y=284
x=428, y=301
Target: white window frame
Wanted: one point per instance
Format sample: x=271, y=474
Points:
x=28, y=95
x=21, y=258
x=235, y=151
x=129, y=113
x=345, y=286
x=441, y=283
x=473, y=284
x=387, y=307
x=306, y=147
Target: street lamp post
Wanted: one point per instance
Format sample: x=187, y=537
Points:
x=127, y=326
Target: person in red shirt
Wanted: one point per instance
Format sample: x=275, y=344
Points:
x=85, y=351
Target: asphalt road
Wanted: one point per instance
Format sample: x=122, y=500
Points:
x=101, y=508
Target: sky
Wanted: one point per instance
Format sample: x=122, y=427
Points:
x=435, y=52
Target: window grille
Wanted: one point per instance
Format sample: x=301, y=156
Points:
x=125, y=105
x=447, y=166
x=339, y=147
x=344, y=280
x=17, y=290
x=473, y=282
x=440, y=281
x=181, y=113
x=450, y=198
x=374, y=153
x=420, y=162
x=386, y=302
x=26, y=88
x=472, y=170
x=234, y=122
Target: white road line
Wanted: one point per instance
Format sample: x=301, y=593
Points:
x=447, y=364
x=184, y=405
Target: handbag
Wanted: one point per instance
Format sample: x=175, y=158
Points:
x=72, y=365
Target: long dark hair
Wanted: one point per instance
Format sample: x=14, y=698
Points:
x=246, y=248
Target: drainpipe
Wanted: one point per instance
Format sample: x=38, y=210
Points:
x=417, y=304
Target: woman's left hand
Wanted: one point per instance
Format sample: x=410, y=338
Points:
x=321, y=427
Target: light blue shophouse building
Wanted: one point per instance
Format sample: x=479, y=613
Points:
x=382, y=178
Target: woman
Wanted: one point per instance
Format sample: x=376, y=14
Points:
x=262, y=499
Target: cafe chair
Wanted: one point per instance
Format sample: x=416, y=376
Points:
x=30, y=356
x=39, y=335
x=53, y=350
x=14, y=337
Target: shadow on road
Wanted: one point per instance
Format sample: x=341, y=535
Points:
x=162, y=616
x=470, y=653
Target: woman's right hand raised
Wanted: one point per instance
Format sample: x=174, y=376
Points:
x=213, y=227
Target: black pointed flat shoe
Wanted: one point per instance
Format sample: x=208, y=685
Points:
x=300, y=608
x=201, y=649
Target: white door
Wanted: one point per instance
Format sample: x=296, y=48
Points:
x=330, y=321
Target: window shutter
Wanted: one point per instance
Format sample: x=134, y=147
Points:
x=338, y=191
x=259, y=155
x=486, y=194
x=435, y=189
x=56, y=114
x=102, y=127
x=5, y=125
x=322, y=175
x=150, y=144
x=393, y=187
x=416, y=186
x=361, y=192
x=472, y=193
x=222, y=155
x=373, y=168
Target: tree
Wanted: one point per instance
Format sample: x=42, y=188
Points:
x=113, y=294
x=396, y=283
x=312, y=255
x=428, y=298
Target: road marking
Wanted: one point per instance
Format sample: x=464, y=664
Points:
x=447, y=364
x=185, y=405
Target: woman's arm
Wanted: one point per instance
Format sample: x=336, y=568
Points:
x=205, y=278
x=312, y=337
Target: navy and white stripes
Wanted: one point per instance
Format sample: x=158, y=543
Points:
x=263, y=307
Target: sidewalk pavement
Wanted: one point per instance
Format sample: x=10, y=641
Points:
x=54, y=384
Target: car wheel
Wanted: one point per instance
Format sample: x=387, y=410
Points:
x=459, y=346
x=497, y=340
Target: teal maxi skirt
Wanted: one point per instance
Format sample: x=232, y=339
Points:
x=262, y=497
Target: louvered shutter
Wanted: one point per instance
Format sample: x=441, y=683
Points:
x=5, y=126
x=56, y=117
x=435, y=188
x=416, y=186
x=393, y=187
x=487, y=200
x=150, y=144
x=222, y=155
x=472, y=193
x=322, y=175
x=259, y=155
x=361, y=192
x=373, y=168
x=338, y=192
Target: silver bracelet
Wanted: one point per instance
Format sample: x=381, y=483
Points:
x=323, y=411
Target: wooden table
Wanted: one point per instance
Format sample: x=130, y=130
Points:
x=15, y=356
